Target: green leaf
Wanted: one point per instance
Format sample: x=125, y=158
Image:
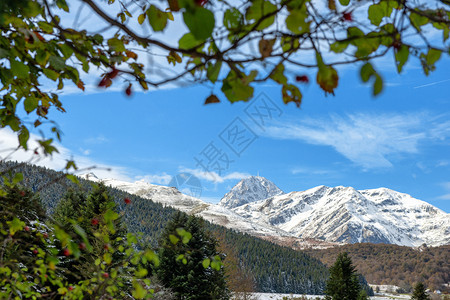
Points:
x=46, y=27
x=259, y=10
x=344, y=2
x=141, y=18
x=366, y=72
x=30, y=104
x=173, y=239
x=24, y=135
x=401, y=57
x=58, y=63
x=327, y=76
x=232, y=19
x=378, y=11
x=377, y=85
x=139, y=292
x=66, y=50
x=19, y=69
x=156, y=18
x=18, y=177
x=42, y=57
x=206, y=262
x=216, y=265
x=289, y=43
x=116, y=45
x=213, y=71
x=200, y=22
x=188, y=41
x=63, y=5
x=53, y=75
x=278, y=74
x=433, y=56
x=339, y=46
x=236, y=88
x=296, y=21
x=418, y=20
x=291, y=93
x=15, y=225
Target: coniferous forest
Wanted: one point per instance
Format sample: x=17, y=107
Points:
x=273, y=268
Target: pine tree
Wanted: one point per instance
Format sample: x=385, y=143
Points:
x=89, y=213
x=182, y=260
x=343, y=283
x=419, y=292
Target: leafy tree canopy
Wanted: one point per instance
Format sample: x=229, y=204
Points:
x=231, y=45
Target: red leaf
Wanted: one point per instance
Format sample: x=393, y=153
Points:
x=201, y=2
x=212, y=99
x=80, y=85
x=94, y=221
x=302, y=78
x=128, y=90
x=113, y=74
x=347, y=16
x=66, y=252
x=127, y=200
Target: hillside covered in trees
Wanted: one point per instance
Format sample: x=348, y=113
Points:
x=274, y=268
x=397, y=265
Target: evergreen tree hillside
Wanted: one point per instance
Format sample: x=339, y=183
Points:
x=274, y=268
x=189, y=261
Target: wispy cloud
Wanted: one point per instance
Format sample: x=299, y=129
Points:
x=162, y=179
x=96, y=140
x=8, y=151
x=430, y=84
x=446, y=186
x=366, y=139
x=214, y=176
x=311, y=171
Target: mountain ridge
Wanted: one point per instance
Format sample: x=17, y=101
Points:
x=327, y=216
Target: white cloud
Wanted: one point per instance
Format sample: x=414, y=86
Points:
x=311, y=171
x=369, y=140
x=446, y=186
x=214, y=176
x=162, y=179
x=96, y=140
x=58, y=161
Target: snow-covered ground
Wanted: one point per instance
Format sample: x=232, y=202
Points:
x=269, y=296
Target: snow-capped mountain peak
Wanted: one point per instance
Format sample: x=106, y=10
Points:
x=250, y=189
x=344, y=214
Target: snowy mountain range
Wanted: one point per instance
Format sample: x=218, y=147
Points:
x=318, y=217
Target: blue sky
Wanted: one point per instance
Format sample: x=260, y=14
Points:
x=399, y=140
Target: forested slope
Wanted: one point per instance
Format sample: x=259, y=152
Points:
x=397, y=265
x=275, y=268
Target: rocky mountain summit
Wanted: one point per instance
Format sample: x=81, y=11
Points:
x=248, y=190
x=319, y=217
